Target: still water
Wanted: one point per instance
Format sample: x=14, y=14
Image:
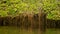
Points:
x=16, y=30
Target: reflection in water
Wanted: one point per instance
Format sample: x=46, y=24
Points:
x=25, y=23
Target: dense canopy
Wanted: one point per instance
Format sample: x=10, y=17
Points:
x=15, y=7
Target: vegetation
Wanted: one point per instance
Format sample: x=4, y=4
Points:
x=25, y=14
x=16, y=7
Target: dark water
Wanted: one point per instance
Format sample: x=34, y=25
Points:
x=16, y=30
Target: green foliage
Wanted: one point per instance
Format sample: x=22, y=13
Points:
x=15, y=7
x=3, y=13
x=52, y=9
x=49, y=5
x=55, y=14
